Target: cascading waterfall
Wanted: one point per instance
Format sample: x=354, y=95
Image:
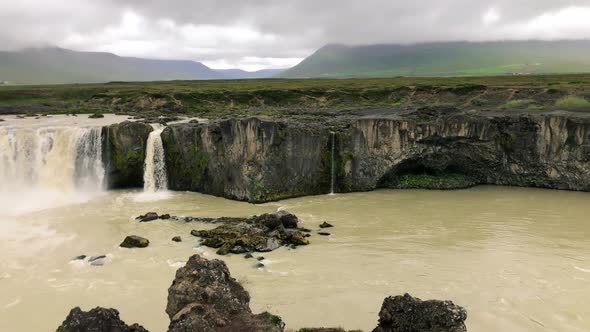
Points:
x=332, y=134
x=154, y=175
x=47, y=164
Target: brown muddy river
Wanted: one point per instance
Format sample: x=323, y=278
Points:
x=516, y=259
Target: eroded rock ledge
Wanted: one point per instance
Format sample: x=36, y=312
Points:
x=204, y=297
x=259, y=160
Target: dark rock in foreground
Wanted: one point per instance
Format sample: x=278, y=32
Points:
x=97, y=320
x=204, y=297
x=134, y=241
x=410, y=314
x=259, y=233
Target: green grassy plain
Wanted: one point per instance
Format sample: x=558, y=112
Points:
x=275, y=96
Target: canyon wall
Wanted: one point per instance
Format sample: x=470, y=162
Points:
x=261, y=160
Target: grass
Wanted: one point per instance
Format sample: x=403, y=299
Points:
x=275, y=97
x=573, y=103
x=518, y=104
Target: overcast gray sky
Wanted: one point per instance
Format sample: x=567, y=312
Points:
x=254, y=34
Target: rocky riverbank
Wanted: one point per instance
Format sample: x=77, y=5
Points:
x=263, y=159
x=204, y=297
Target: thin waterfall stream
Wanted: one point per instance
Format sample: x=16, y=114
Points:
x=154, y=176
x=332, y=135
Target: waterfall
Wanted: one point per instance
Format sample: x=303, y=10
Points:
x=39, y=166
x=154, y=175
x=332, y=135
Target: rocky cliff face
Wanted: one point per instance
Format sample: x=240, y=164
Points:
x=124, y=147
x=260, y=160
x=248, y=159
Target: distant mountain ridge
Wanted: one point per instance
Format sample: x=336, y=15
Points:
x=53, y=65
x=445, y=59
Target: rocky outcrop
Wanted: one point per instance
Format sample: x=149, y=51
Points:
x=204, y=297
x=124, y=146
x=410, y=314
x=97, y=320
x=248, y=159
x=259, y=160
x=262, y=233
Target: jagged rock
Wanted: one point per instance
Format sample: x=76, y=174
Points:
x=410, y=314
x=150, y=216
x=204, y=297
x=262, y=233
x=97, y=320
x=326, y=225
x=134, y=241
x=124, y=153
x=177, y=239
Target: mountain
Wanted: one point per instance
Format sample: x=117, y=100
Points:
x=242, y=74
x=54, y=65
x=446, y=59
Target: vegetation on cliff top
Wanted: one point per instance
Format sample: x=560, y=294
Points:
x=277, y=97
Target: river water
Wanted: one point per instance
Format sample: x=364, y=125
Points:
x=517, y=259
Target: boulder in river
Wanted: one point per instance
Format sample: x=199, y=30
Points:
x=262, y=233
x=150, y=216
x=177, y=239
x=134, y=241
x=410, y=314
x=326, y=225
x=97, y=320
x=96, y=116
x=204, y=297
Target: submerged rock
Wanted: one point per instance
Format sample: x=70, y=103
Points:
x=324, y=233
x=150, y=216
x=410, y=314
x=95, y=258
x=97, y=320
x=134, y=241
x=326, y=225
x=262, y=233
x=96, y=116
x=79, y=258
x=204, y=297
x=177, y=239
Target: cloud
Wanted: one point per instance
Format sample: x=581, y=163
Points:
x=259, y=33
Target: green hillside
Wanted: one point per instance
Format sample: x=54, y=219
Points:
x=446, y=59
x=57, y=65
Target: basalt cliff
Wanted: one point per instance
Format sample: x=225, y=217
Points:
x=260, y=159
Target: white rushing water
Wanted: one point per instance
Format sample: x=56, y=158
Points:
x=154, y=176
x=50, y=166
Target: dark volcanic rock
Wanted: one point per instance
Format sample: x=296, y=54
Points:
x=150, y=216
x=79, y=258
x=177, y=239
x=326, y=225
x=97, y=320
x=96, y=116
x=440, y=149
x=262, y=233
x=324, y=233
x=134, y=241
x=95, y=258
x=165, y=216
x=410, y=314
x=204, y=297
x=124, y=147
